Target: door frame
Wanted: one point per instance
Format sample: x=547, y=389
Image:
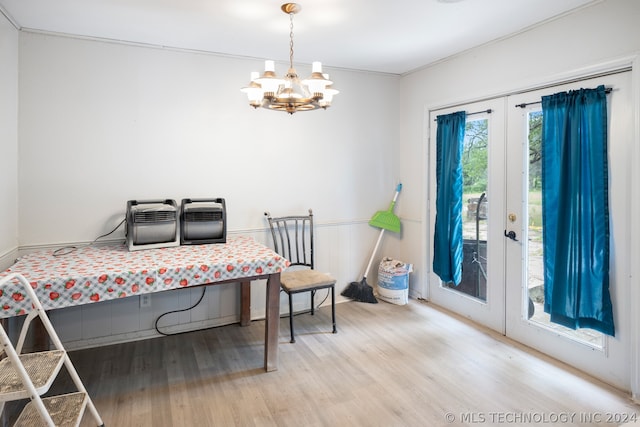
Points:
x=489, y=313
x=611, y=361
x=634, y=250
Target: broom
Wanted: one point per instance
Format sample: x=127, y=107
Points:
x=384, y=220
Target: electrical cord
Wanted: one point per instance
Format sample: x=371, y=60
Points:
x=325, y=298
x=66, y=250
x=307, y=311
x=204, y=289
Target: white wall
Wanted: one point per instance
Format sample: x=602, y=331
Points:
x=8, y=141
x=102, y=123
x=602, y=36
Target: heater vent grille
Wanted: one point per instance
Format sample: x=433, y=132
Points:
x=154, y=216
x=202, y=216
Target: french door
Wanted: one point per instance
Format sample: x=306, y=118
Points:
x=502, y=285
x=480, y=295
x=600, y=355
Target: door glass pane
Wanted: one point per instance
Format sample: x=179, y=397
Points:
x=474, y=210
x=534, y=249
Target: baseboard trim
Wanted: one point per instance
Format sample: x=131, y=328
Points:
x=149, y=333
x=8, y=258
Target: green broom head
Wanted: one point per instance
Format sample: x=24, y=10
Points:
x=386, y=219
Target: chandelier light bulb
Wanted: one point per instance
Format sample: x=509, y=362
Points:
x=254, y=91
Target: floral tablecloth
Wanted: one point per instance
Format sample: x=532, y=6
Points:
x=105, y=272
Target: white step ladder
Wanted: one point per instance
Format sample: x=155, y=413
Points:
x=30, y=375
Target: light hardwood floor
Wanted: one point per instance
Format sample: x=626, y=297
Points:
x=388, y=365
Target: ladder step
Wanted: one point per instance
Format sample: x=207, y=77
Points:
x=66, y=410
x=42, y=368
x=38, y=370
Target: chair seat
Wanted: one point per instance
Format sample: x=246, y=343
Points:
x=298, y=281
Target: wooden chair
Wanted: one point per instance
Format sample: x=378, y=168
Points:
x=293, y=239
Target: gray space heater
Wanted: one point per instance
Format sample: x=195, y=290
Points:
x=203, y=221
x=152, y=224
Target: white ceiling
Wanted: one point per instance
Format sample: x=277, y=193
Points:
x=394, y=36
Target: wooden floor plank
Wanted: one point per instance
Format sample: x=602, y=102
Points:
x=388, y=365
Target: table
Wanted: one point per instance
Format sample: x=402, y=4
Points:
x=95, y=273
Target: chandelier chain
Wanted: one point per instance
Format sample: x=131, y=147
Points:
x=291, y=40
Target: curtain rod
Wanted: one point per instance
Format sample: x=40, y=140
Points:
x=525, y=104
x=489, y=111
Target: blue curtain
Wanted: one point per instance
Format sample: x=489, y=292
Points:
x=447, y=248
x=575, y=209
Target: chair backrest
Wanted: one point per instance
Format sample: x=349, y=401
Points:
x=293, y=237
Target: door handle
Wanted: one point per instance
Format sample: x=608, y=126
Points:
x=511, y=234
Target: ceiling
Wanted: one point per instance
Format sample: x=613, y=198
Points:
x=382, y=36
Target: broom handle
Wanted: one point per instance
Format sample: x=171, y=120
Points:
x=395, y=196
x=373, y=254
x=375, y=249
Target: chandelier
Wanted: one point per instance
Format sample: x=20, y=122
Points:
x=290, y=94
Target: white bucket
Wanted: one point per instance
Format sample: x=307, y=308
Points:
x=393, y=281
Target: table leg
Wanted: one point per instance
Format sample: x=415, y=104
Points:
x=41, y=337
x=37, y=340
x=272, y=323
x=245, y=303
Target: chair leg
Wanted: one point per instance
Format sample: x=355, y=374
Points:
x=291, y=318
x=333, y=308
